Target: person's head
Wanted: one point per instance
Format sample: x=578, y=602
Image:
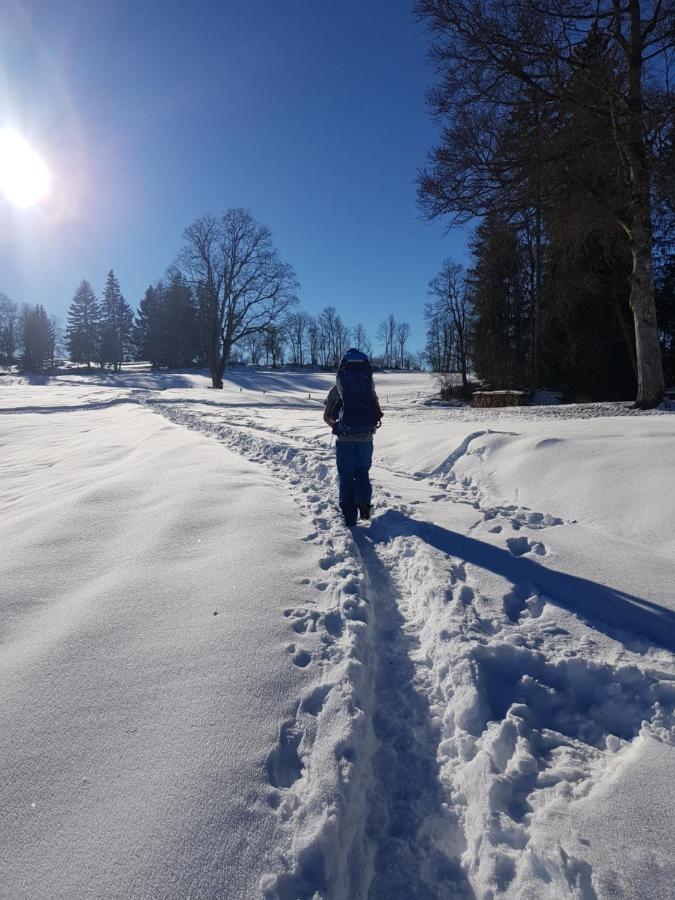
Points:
x=354, y=356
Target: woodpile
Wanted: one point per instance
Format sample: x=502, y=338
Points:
x=500, y=398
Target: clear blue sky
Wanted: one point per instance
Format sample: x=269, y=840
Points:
x=308, y=112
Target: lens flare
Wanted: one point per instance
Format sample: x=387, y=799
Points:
x=24, y=177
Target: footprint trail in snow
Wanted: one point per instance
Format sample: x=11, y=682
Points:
x=457, y=715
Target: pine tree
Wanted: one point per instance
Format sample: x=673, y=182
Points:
x=37, y=338
x=117, y=324
x=147, y=336
x=84, y=320
x=498, y=292
x=166, y=331
x=180, y=324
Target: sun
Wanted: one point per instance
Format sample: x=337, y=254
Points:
x=24, y=176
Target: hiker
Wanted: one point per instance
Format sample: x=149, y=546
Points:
x=353, y=412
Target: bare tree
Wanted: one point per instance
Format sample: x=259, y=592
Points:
x=360, y=340
x=9, y=317
x=402, y=335
x=450, y=289
x=490, y=55
x=333, y=337
x=55, y=339
x=274, y=343
x=247, y=287
x=342, y=340
x=254, y=343
x=386, y=334
x=296, y=325
x=313, y=340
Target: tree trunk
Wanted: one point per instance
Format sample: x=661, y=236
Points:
x=642, y=300
x=217, y=375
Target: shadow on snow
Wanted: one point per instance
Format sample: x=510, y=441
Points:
x=599, y=604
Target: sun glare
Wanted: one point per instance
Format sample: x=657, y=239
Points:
x=24, y=177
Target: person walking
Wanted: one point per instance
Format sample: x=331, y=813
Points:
x=353, y=412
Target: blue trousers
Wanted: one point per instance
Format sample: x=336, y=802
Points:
x=353, y=464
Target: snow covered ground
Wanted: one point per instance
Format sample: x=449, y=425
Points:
x=211, y=688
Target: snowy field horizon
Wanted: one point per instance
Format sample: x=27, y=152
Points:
x=213, y=688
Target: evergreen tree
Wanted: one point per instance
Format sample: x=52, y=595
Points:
x=180, y=324
x=147, y=336
x=36, y=333
x=588, y=342
x=116, y=327
x=497, y=286
x=167, y=325
x=84, y=319
x=665, y=305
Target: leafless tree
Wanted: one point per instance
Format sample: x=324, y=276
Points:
x=333, y=337
x=360, y=339
x=231, y=260
x=449, y=288
x=9, y=317
x=402, y=335
x=254, y=344
x=313, y=340
x=386, y=334
x=274, y=338
x=295, y=326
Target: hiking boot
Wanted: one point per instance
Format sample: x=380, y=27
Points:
x=364, y=511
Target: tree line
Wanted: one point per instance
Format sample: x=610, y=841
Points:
x=227, y=298
x=556, y=134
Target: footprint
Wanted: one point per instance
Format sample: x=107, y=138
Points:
x=522, y=545
x=515, y=603
x=356, y=610
x=466, y=595
x=333, y=623
x=302, y=659
x=313, y=702
x=284, y=765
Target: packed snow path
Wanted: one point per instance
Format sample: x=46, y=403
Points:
x=489, y=703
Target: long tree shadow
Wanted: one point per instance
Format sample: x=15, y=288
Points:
x=78, y=407
x=606, y=608
x=408, y=862
x=275, y=400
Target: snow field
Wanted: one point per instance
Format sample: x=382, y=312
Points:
x=520, y=716
x=145, y=662
x=490, y=682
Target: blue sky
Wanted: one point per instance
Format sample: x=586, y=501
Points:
x=308, y=112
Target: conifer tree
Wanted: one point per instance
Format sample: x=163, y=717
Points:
x=84, y=320
x=498, y=292
x=166, y=331
x=147, y=336
x=116, y=328
x=36, y=332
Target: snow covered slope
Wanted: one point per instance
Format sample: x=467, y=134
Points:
x=471, y=696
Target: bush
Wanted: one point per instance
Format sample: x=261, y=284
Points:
x=450, y=386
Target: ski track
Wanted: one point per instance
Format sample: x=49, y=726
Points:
x=465, y=718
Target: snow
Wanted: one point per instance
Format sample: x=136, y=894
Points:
x=212, y=688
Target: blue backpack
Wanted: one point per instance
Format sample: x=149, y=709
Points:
x=360, y=411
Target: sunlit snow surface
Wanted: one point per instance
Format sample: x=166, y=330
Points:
x=210, y=688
